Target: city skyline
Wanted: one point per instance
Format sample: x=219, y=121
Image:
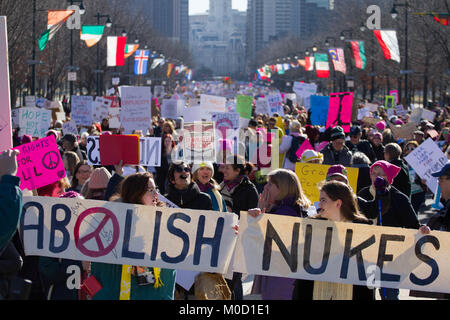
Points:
x=201, y=6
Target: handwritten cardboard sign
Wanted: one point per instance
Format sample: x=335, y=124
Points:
x=34, y=121
x=275, y=103
x=39, y=163
x=118, y=233
x=136, y=108
x=405, y=131
x=70, y=127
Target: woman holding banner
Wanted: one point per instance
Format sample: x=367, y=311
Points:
x=337, y=203
x=282, y=195
x=143, y=283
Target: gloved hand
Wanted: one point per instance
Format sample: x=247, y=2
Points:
x=381, y=185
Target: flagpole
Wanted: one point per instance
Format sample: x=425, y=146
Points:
x=33, y=66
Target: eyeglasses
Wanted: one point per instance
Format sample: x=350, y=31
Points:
x=181, y=169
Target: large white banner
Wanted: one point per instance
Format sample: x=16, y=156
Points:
x=349, y=253
x=117, y=233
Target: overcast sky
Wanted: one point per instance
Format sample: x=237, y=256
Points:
x=200, y=6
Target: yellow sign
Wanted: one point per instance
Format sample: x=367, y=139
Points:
x=310, y=175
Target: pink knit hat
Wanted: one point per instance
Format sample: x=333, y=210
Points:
x=99, y=179
x=390, y=170
x=381, y=125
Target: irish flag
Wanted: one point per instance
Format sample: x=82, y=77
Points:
x=116, y=51
x=322, y=65
x=130, y=49
x=55, y=19
x=389, y=44
x=359, y=53
x=91, y=34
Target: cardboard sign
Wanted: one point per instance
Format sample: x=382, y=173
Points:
x=213, y=103
x=39, y=163
x=5, y=100
x=405, y=131
x=127, y=234
x=340, y=110
x=114, y=148
x=372, y=122
x=34, y=121
x=136, y=108
x=244, y=106
x=70, y=127
x=427, y=159
x=100, y=109
x=81, y=111
x=319, y=110
x=310, y=175
x=199, y=142
x=350, y=253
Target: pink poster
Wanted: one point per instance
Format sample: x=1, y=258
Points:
x=39, y=163
x=340, y=110
x=5, y=103
x=394, y=93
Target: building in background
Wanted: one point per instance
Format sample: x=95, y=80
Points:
x=217, y=39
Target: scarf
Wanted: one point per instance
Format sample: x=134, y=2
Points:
x=230, y=185
x=125, y=282
x=204, y=187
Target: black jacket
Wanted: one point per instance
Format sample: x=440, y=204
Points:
x=397, y=210
x=190, y=198
x=344, y=156
x=402, y=181
x=363, y=146
x=379, y=151
x=245, y=196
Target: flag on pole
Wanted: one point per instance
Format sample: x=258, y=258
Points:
x=55, y=19
x=441, y=18
x=337, y=56
x=169, y=69
x=359, y=53
x=322, y=66
x=389, y=44
x=189, y=75
x=309, y=63
x=91, y=34
x=157, y=62
x=116, y=51
x=130, y=49
x=141, y=61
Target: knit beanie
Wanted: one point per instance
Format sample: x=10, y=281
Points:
x=337, y=170
x=390, y=170
x=310, y=155
x=99, y=178
x=381, y=125
x=337, y=133
x=207, y=164
x=26, y=139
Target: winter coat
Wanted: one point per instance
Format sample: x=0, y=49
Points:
x=344, y=156
x=402, y=181
x=10, y=208
x=190, y=198
x=10, y=264
x=244, y=197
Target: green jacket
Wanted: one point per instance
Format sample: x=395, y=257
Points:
x=10, y=208
x=109, y=277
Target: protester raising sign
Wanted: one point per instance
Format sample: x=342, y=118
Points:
x=117, y=233
x=136, y=108
x=338, y=252
x=39, y=163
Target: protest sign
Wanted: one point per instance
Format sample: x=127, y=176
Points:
x=127, y=234
x=427, y=159
x=30, y=101
x=310, y=175
x=394, y=93
x=34, y=121
x=372, y=107
x=100, y=109
x=362, y=113
x=159, y=91
x=304, y=90
x=5, y=100
x=319, y=110
x=70, y=127
x=340, y=110
x=389, y=102
x=275, y=103
x=338, y=252
x=226, y=123
x=400, y=111
x=405, y=131
x=149, y=147
x=15, y=117
x=428, y=115
x=136, y=108
x=114, y=118
x=262, y=107
x=116, y=148
x=199, y=142
x=244, y=106
x=81, y=111
x=213, y=103
x=39, y=163
x=305, y=146
x=169, y=108
x=197, y=113
x=372, y=122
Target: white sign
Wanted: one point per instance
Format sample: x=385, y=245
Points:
x=213, y=103
x=70, y=127
x=5, y=106
x=169, y=108
x=72, y=76
x=81, y=111
x=427, y=159
x=136, y=108
x=100, y=109
x=34, y=121
x=262, y=107
x=275, y=103
x=30, y=101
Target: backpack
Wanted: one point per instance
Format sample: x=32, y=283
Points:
x=295, y=145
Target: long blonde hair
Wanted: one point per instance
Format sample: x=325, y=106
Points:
x=289, y=185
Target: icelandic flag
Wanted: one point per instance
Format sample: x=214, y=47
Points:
x=141, y=61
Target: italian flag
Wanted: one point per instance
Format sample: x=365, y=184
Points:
x=389, y=44
x=309, y=63
x=91, y=34
x=130, y=49
x=359, y=53
x=55, y=19
x=322, y=65
x=116, y=51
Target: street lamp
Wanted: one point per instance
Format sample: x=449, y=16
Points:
x=327, y=43
x=394, y=15
x=82, y=11
x=108, y=25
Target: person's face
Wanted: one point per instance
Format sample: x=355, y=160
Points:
x=338, y=144
x=83, y=173
x=67, y=146
x=272, y=124
x=204, y=175
x=150, y=197
x=409, y=148
x=338, y=178
x=444, y=183
x=168, y=143
x=83, y=140
x=166, y=128
x=376, y=141
x=182, y=177
x=229, y=173
x=355, y=138
x=272, y=190
x=330, y=209
x=161, y=123
x=377, y=172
